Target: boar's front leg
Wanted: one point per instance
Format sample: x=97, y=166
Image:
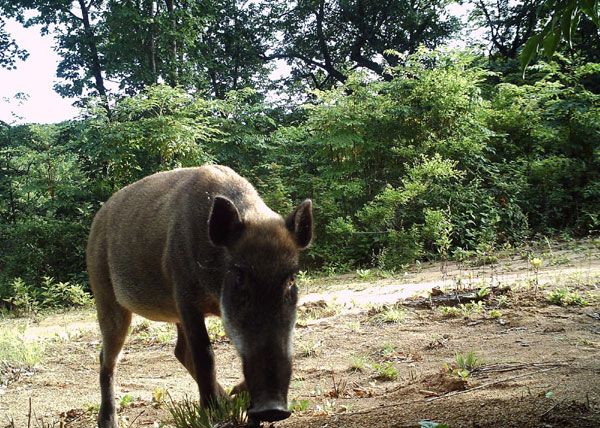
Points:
x=195, y=352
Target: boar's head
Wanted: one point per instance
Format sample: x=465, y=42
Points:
x=259, y=297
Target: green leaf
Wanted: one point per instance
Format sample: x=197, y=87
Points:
x=590, y=8
x=566, y=24
x=551, y=42
x=529, y=50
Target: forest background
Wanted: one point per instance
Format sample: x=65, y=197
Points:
x=410, y=150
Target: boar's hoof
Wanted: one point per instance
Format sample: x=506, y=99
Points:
x=269, y=412
x=239, y=388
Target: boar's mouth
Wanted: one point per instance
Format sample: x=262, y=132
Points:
x=269, y=411
x=267, y=378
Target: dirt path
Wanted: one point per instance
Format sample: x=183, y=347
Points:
x=365, y=355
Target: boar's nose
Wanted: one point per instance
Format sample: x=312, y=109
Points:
x=269, y=411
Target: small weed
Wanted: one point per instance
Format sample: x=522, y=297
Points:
x=384, y=314
x=365, y=274
x=158, y=397
x=358, y=363
x=586, y=342
x=565, y=297
x=450, y=311
x=227, y=413
x=303, y=278
x=482, y=292
x=307, y=350
x=471, y=308
x=469, y=362
x=23, y=299
x=215, y=329
x=298, y=406
x=340, y=388
x=153, y=332
x=63, y=294
x=461, y=373
x=386, y=371
x=16, y=352
x=327, y=406
x=495, y=313
x=387, y=351
x=504, y=302
x=354, y=326
x=391, y=315
x=91, y=408
x=126, y=401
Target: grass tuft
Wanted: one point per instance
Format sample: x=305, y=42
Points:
x=226, y=413
x=18, y=353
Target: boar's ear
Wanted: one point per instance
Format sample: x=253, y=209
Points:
x=224, y=223
x=300, y=223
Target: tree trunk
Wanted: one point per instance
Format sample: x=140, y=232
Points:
x=173, y=72
x=95, y=59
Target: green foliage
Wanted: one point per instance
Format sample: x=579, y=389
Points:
x=468, y=362
x=63, y=294
x=565, y=17
x=159, y=129
x=442, y=158
x=565, y=296
x=386, y=370
x=17, y=352
x=189, y=414
x=20, y=298
x=298, y=406
x=23, y=299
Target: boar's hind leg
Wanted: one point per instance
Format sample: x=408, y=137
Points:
x=194, y=351
x=114, y=322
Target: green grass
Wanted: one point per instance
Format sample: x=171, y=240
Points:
x=469, y=362
x=227, y=413
x=387, y=314
x=308, y=350
x=150, y=331
x=297, y=406
x=215, y=329
x=17, y=352
x=386, y=371
x=566, y=297
x=358, y=363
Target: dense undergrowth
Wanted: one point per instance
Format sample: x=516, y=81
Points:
x=449, y=159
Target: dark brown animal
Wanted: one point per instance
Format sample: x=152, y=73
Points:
x=179, y=245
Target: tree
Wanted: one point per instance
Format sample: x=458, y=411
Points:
x=565, y=16
x=508, y=24
x=9, y=51
x=324, y=39
x=73, y=25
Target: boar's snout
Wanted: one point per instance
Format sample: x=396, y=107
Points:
x=269, y=411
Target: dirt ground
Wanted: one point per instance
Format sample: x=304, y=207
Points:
x=369, y=351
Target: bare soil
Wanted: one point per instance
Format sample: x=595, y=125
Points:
x=370, y=352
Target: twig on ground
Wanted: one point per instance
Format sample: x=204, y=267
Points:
x=485, y=385
x=136, y=418
x=512, y=366
x=552, y=408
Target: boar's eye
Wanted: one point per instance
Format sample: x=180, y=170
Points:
x=291, y=291
x=291, y=281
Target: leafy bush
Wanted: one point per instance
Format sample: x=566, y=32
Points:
x=445, y=158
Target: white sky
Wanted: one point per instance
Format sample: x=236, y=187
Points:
x=36, y=77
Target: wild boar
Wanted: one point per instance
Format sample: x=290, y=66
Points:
x=179, y=245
